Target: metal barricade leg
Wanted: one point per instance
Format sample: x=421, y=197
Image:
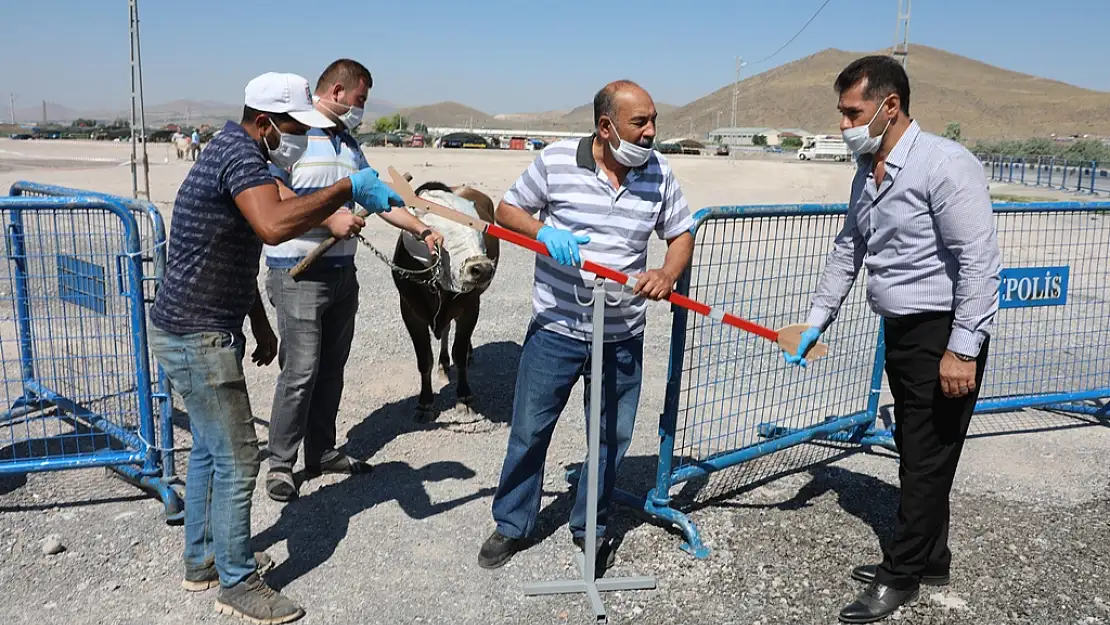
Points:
x=587, y=560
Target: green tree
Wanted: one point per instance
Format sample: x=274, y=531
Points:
x=952, y=131
x=1085, y=150
x=1040, y=146
x=759, y=140
x=391, y=123
x=791, y=143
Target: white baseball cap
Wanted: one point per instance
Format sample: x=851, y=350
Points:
x=275, y=92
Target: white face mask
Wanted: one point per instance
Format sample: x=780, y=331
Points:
x=629, y=154
x=289, y=148
x=859, y=139
x=351, y=118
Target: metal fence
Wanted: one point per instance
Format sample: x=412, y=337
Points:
x=110, y=257
x=1048, y=171
x=730, y=397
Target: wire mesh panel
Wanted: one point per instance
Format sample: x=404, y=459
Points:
x=730, y=397
x=152, y=247
x=762, y=263
x=1051, y=342
x=76, y=392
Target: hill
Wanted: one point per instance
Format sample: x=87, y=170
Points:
x=578, y=119
x=449, y=114
x=33, y=114
x=987, y=101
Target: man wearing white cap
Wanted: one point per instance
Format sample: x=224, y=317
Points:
x=226, y=208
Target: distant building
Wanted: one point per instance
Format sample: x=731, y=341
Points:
x=794, y=132
x=739, y=136
x=745, y=136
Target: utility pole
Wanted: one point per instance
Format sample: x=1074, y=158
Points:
x=44, y=112
x=901, y=49
x=736, y=88
x=11, y=103
x=137, y=93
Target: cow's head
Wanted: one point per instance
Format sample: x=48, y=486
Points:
x=464, y=265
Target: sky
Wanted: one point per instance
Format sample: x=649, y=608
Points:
x=501, y=56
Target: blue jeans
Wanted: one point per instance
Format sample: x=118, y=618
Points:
x=206, y=368
x=550, y=366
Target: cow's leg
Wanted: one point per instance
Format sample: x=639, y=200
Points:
x=444, y=358
x=422, y=343
x=464, y=329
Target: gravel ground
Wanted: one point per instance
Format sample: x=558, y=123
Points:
x=1030, y=506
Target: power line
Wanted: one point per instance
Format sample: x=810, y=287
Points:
x=772, y=55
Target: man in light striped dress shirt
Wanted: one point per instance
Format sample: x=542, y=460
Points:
x=607, y=193
x=920, y=220
x=316, y=312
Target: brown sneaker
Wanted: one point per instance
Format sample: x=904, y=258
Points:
x=199, y=580
x=252, y=600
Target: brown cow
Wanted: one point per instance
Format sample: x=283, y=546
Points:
x=466, y=266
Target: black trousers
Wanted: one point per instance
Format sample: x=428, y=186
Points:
x=929, y=432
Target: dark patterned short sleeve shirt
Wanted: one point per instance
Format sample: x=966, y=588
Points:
x=213, y=256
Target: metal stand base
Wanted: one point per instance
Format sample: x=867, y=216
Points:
x=589, y=584
x=591, y=588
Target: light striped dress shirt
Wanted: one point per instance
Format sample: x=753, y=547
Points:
x=927, y=237
x=564, y=188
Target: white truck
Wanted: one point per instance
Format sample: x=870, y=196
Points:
x=824, y=147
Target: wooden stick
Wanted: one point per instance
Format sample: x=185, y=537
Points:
x=787, y=337
x=324, y=246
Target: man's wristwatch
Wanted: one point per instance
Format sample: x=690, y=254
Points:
x=424, y=234
x=965, y=358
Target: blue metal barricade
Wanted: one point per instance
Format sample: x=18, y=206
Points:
x=106, y=248
x=152, y=239
x=730, y=397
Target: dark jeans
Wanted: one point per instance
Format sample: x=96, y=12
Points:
x=550, y=366
x=206, y=368
x=315, y=325
x=929, y=433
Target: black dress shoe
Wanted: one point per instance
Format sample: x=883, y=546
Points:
x=498, y=549
x=866, y=574
x=876, y=603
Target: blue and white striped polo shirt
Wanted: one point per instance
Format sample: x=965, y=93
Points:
x=564, y=188
x=328, y=159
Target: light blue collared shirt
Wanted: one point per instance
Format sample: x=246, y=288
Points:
x=927, y=237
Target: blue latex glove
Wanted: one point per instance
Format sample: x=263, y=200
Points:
x=808, y=338
x=372, y=193
x=562, y=244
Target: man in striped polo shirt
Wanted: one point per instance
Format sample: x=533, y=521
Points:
x=316, y=312
x=600, y=199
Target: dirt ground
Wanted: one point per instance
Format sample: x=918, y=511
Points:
x=1030, y=507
